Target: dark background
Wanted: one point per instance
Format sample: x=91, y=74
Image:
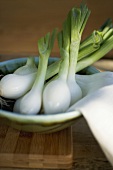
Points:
x=23, y=22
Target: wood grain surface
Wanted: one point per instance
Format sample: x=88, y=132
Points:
x=22, y=22
x=20, y=149
x=87, y=154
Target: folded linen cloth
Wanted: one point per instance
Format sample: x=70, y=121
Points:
x=97, y=108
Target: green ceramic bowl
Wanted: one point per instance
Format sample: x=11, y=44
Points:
x=36, y=123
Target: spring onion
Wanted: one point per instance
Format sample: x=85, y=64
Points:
x=56, y=95
x=20, y=81
x=31, y=102
x=94, y=81
x=92, y=47
x=28, y=68
x=89, y=60
x=13, y=86
x=78, y=18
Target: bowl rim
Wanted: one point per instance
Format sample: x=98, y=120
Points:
x=40, y=119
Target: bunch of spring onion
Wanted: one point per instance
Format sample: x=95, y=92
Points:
x=75, y=56
x=64, y=91
x=93, y=48
x=71, y=47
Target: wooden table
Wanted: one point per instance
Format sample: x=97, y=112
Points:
x=87, y=154
x=22, y=23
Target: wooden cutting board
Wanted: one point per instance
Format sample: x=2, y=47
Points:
x=32, y=150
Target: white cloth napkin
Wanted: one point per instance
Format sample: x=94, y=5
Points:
x=97, y=109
